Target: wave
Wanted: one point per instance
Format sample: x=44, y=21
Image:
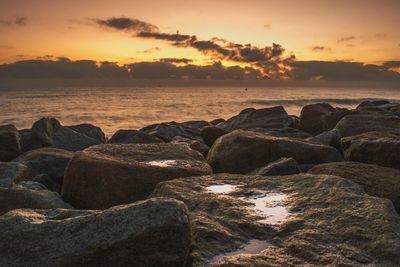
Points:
x=302, y=102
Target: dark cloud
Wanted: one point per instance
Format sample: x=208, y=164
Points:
x=174, y=37
x=151, y=50
x=268, y=26
x=320, y=48
x=392, y=64
x=340, y=71
x=346, y=39
x=176, y=60
x=21, y=21
x=123, y=23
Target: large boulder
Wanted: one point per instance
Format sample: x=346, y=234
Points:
x=12, y=172
x=48, y=160
x=212, y=133
x=331, y=119
x=283, y=132
x=90, y=131
x=329, y=138
x=311, y=117
x=283, y=166
x=376, y=180
x=133, y=137
x=362, y=123
x=195, y=124
x=193, y=144
x=379, y=148
x=31, y=195
x=111, y=174
x=266, y=118
x=49, y=132
x=9, y=143
x=167, y=131
x=243, y=151
x=154, y=232
x=296, y=220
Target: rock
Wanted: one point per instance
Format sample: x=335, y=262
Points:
x=243, y=151
x=167, y=131
x=195, y=124
x=296, y=220
x=311, y=120
x=90, y=131
x=49, y=132
x=11, y=172
x=377, y=181
x=29, y=195
x=25, y=139
x=362, y=123
x=212, y=133
x=9, y=143
x=155, y=232
x=111, y=174
x=283, y=166
x=50, y=161
x=192, y=144
x=328, y=138
x=371, y=103
x=133, y=137
x=331, y=119
x=284, y=132
x=379, y=148
x=217, y=121
x=266, y=118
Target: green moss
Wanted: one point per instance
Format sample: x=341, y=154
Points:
x=213, y=150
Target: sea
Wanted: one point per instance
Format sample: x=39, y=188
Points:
x=113, y=108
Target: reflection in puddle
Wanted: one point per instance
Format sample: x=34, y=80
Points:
x=253, y=247
x=221, y=188
x=162, y=163
x=271, y=207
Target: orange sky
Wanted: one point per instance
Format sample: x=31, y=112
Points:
x=368, y=30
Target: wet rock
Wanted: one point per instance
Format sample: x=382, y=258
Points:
x=133, y=137
x=155, y=232
x=212, y=133
x=25, y=139
x=192, y=144
x=9, y=143
x=362, y=123
x=371, y=103
x=331, y=119
x=167, y=131
x=311, y=120
x=195, y=124
x=296, y=220
x=111, y=174
x=48, y=160
x=49, y=132
x=90, y=131
x=283, y=166
x=29, y=195
x=379, y=148
x=217, y=121
x=12, y=172
x=266, y=118
x=329, y=138
x=244, y=151
x=284, y=132
x=376, y=180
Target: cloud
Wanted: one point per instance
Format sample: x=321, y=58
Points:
x=176, y=60
x=124, y=23
x=174, y=37
x=320, y=48
x=346, y=39
x=340, y=71
x=267, y=26
x=151, y=50
x=381, y=35
x=21, y=21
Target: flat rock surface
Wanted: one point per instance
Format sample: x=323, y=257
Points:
x=243, y=151
x=154, y=232
x=111, y=174
x=376, y=180
x=296, y=220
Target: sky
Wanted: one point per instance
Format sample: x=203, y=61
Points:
x=273, y=37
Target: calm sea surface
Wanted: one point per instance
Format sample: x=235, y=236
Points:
x=134, y=107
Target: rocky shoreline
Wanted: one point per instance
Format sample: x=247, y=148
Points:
x=263, y=188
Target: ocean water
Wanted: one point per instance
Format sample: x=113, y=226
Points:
x=113, y=108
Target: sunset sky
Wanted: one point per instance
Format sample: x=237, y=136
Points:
x=364, y=31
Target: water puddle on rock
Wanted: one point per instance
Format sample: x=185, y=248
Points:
x=221, y=188
x=270, y=206
x=254, y=246
x=162, y=163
